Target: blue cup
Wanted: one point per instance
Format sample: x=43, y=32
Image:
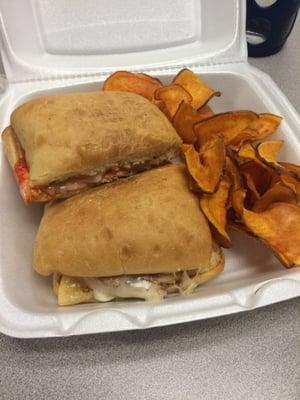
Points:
x=268, y=26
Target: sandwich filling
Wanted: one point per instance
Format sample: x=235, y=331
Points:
x=73, y=185
x=74, y=290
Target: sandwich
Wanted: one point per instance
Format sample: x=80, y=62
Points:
x=61, y=145
x=143, y=237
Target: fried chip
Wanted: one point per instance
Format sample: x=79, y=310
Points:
x=139, y=83
x=265, y=125
x=201, y=93
x=184, y=119
x=172, y=96
x=248, y=151
x=230, y=124
x=193, y=185
x=252, y=195
x=279, y=228
x=234, y=177
x=277, y=193
x=262, y=176
x=265, y=175
x=149, y=78
x=214, y=208
x=258, y=178
x=253, y=180
x=249, y=171
x=293, y=169
x=246, y=135
x=205, y=112
x=268, y=151
x=206, y=167
x=292, y=183
x=233, y=174
x=237, y=200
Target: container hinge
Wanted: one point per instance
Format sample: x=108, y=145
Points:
x=152, y=70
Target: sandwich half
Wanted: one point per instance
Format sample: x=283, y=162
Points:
x=143, y=237
x=60, y=145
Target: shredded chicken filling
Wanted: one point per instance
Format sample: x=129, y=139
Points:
x=112, y=173
x=148, y=287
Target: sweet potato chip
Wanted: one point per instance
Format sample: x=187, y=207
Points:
x=253, y=173
x=279, y=228
x=262, y=176
x=292, y=183
x=268, y=151
x=205, y=112
x=266, y=156
x=124, y=81
x=263, y=171
x=206, y=167
x=230, y=124
x=233, y=174
x=193, y=185
x=246, y=135
x=293, y=169
x=149, y=78
x=234, y=177
x=200, y=92
x=277, y=193
x=258, y=178
x=265, y=125
x=248, y=151
x=248, y=170
x=172, y=96
x=184, y=119
x=237, y=200
x=214, y=208
x=252, y=195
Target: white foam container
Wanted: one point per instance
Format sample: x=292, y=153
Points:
x=51, y=46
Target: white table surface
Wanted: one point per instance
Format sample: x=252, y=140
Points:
x=254, y=355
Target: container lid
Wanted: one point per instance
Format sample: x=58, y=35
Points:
x=44, y=39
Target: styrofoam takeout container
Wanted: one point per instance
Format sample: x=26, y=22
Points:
x=51, y=46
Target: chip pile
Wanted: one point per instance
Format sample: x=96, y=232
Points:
x=240, y=182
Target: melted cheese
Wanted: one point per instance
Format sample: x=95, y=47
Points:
x=106, y=289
